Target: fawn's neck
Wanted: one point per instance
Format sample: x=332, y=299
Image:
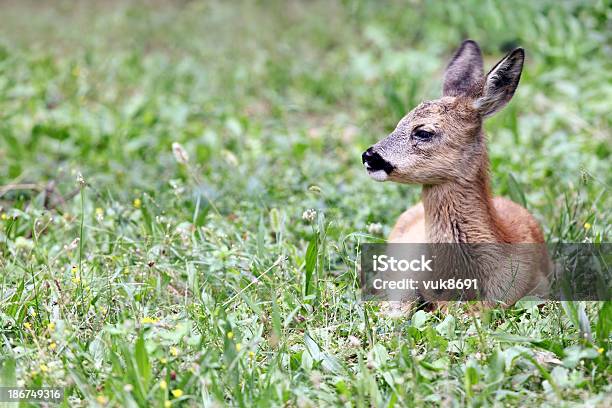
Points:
x=461, y=211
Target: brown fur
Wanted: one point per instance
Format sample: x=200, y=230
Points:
x=453, y=166
x=410, y=227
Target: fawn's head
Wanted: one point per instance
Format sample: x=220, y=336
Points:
x=441, y=140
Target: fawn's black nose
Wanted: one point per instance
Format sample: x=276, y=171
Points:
x=374, y=162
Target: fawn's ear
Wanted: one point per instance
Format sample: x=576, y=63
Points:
x=464, y=72
x=501, y=83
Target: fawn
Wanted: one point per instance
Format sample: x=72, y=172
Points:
x=442, y=146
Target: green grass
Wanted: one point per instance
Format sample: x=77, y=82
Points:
x=202, y=283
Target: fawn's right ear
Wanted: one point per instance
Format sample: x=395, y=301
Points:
x=464, y=72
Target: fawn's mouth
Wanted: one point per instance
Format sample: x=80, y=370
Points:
x=378, y=175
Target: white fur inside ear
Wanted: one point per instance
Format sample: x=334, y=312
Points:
x=501, y=83
x=489, y=104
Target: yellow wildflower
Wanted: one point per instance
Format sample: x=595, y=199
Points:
x=600, y=350
x=149, y=320
x=178, y=393
x=174, y=351
x=163, y=385
x=52, y=346
x=230, y=335
x=238, y=346
x=4, y=216
x=251, y=354
x=137, y=203
x=163, y=360
x=51, y=326
x=587, y=226
x=102, y=400
x=44, y=368
x=167, y=404
x=27, y=325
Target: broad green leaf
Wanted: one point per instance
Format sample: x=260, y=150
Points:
x=516, y=191
x=311, y=264
x=7, y=372
x=142, y=360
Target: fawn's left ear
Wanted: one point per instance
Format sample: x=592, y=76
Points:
x=501, y=82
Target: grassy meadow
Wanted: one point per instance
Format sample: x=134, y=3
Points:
x=225, y=271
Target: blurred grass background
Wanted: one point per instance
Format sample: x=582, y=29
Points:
x=107, y=86
x=274, y=103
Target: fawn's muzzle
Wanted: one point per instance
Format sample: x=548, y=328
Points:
x=374, y=162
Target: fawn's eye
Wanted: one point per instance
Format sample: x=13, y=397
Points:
x=422, y=135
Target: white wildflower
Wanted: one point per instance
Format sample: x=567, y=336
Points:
x=375, y=228
x=73, y=245
x=316, y=378
x=354, y=341
x=309, y=215
x=230, y=158
x=80, y=180
x=180, y=154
